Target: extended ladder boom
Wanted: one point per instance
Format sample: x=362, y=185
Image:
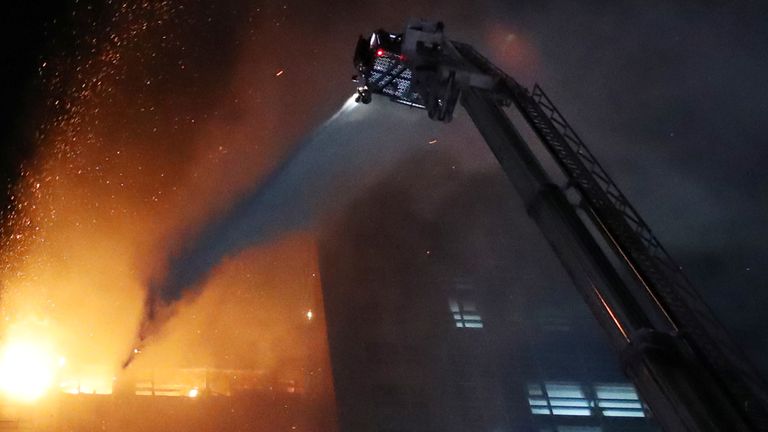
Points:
x=681, y=359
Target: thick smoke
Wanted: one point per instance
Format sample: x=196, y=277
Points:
x=156, y=120
x=178, y=112
x=325, y=171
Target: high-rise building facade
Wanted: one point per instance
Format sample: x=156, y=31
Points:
x=448, y=313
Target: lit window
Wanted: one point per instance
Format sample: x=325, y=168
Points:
x=465, y=314
x=567, y=399
x=564, y=390
x=570, y=399
x=618, y=400
x=560, y=399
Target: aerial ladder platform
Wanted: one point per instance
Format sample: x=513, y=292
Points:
x=680, y=358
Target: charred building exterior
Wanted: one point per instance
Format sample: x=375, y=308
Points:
x=443, y=314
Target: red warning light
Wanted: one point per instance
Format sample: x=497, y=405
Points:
x=379, y=52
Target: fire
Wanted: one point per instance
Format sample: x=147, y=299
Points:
x=107, y=199
x=27, y=369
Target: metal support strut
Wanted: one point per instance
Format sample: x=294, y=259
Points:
x=679, y=356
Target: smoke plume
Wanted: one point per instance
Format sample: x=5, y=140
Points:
x=324, y=172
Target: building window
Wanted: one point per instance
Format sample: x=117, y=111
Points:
x=570, y=399
x=560, y=399
x=465, y=313
x=618, y=400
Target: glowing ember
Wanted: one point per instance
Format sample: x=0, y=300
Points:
x=106, y=192
x=27, y=370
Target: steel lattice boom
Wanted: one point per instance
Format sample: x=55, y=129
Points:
x=680, y=357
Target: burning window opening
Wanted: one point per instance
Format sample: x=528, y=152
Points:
x=191, y=383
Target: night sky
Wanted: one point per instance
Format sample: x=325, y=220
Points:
x=671, y=98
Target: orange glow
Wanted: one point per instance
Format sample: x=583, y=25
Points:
x=513, y=50
x=27, y=369
x=118, y=182
x=86, y=380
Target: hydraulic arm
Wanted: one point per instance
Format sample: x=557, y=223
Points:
x=680, y=358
